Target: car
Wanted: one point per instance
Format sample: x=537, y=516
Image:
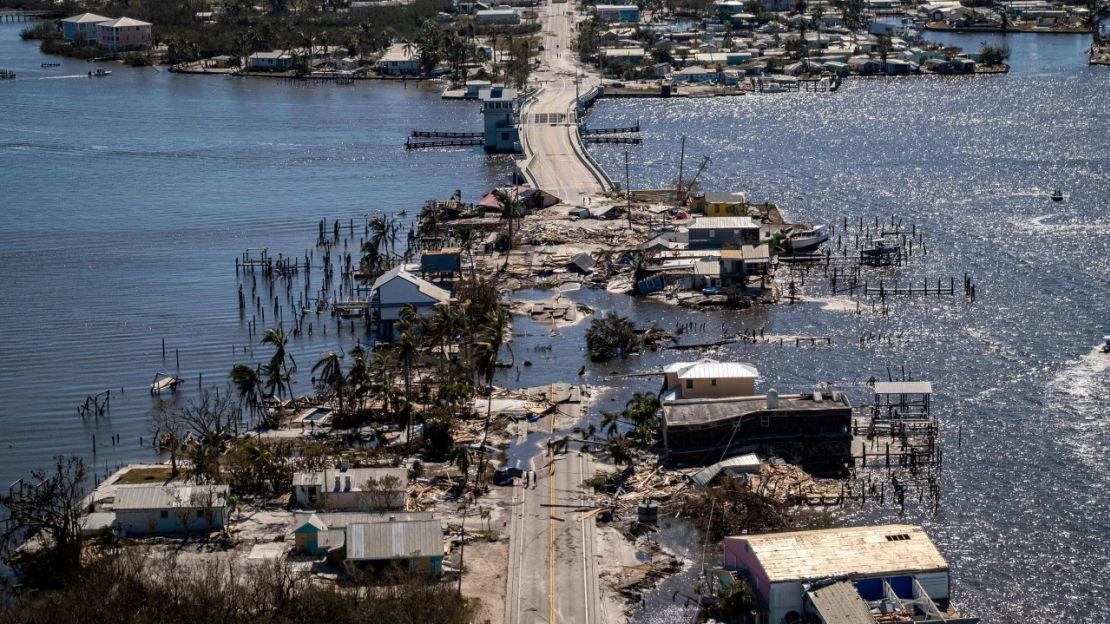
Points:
x=710, y=291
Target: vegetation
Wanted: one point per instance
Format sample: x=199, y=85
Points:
x=993, y=54
x=614, y=337
x=49, y=507
x=131, y=589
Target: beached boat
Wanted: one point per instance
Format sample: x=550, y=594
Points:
x=162, y=381
x=805, y=241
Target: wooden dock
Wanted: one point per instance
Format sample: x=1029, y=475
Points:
x=420, y=144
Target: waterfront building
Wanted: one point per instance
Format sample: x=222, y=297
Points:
x=273, y=61
x=170, y=509
x=123, y=33
x=396, y=289
x=82, y=28
x=717, y=232
x=617, y=13
x=737, y=265
x=500, y=113
x=628, y=55
x=856, y=575
x=399, y=60
x=716, y=204
x=708, y=378
x=696, y=74
x=497, y=17
x=363, y=489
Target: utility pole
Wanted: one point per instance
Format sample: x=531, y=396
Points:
x=627, y=190
x=681, y=159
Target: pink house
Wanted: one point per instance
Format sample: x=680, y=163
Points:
x=123, y=33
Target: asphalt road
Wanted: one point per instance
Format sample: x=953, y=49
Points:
x=552, y=575
x=549, y=134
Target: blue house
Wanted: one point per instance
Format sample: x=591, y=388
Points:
x=82, y=28
x=500, y=111
x=170, y=509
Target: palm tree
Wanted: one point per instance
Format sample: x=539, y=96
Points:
x=407, y=348
x=331, y=382
x=249, y=384
x=279, y=371
x=358, y=378
x=509, y=205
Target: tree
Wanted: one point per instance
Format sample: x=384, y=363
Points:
x=488, y=349
x=331, y=383
x=168, y=431
x=209, y=419
x=50, y=508
x=279, y=371
x=611, y=336
x=993, y=55
x=380, y=493
x=509, y=205
x=884, y=46
x=248, y=382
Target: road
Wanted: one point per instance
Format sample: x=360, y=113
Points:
x=554, y=157
x=552, y=575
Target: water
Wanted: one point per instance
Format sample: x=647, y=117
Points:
x=126, y=200
x=125, y=208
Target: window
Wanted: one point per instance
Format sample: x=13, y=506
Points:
x=163, y=514
x=200, y=513
x=689, y=384
x=900, y=537
x=712, y=382
x=765, y=420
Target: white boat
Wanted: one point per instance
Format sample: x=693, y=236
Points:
x=100, y=73
x=1106, y=344
x=806, y=240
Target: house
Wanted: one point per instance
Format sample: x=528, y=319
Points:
x=845, y=575
x=749, y=260
x=497, y=17
x=810, y=429
x=708, y=378
x=273, y=61
x=500, y=111
x=82, y=28
x=315, y=533
x=443, y=261
x=123, y=33
x=617, y=13
x=365, y=489
x=628, y=55
x=412, y=542
x=415, y=546
x=170, y=509
x=399, y=60
x=864, y=65
x=696, y=74
x=715, y=232
x=721, y=204
x=397, y=289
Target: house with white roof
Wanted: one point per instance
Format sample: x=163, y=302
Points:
x=399, y=60
x=396, y=289
x=855, y=575
x=170, y=509
x=717, y=232
x=708, y=378
x=272, y=61
x=123, y=33
x=82, y=28
x=344, y=488
x=497, y=17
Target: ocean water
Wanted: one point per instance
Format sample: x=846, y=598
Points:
x=126, y=199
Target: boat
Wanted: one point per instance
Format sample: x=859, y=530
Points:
x=1105, y=344
x=51, y=64
x=162, y=381
x=805, y=241
x=1057, y=195
x=100, y=73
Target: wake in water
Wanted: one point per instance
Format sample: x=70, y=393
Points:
x=1081, y=389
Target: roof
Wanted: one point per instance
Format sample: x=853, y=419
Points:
x=756, y=252
x=726, y=198
x=583, y=261
x=273, y=54
x=841, y=603
x=124, y=21
x=359, y=477
x=707, y=267
x=903, y=387
x=342, y=519
x=394, y=540
x=622, y=52
x=856, y=552
x=711, y=411
x=86, y=18
x=497, y=94
x=496, y=12
x=169, y=497
x=397, y=53
x=617, y=7
x=424, y=286
x=712, y=369
x=748, y=462
x=707, y=223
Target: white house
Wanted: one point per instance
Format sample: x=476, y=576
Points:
x=497, y=17
x=82, y=28
x=708, y=378
x=161, y=509
x=396, y=289
x=274, y=61
x=895, y=564
x=363, y=489
x=123, y=33
x=399, y=60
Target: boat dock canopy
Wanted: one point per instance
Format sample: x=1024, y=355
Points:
x=903, y=387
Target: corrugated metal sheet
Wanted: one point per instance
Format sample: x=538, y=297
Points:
x=854, y=552
x=749, y=462
x=394, y=540
x=722, y=223
x=712, y=369
x=704, y=411
x=903, y=387
x=169, y=496
x=841, y=603
x=341, y=520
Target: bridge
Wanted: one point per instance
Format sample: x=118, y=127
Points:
x=555, y=158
